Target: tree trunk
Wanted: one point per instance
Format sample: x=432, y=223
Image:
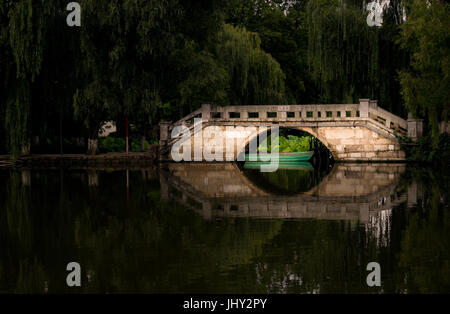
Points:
x=92, y=146
x=25, y=150
x=93, y=141
x=143, y=143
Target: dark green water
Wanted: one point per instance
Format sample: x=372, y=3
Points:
x=212, y=228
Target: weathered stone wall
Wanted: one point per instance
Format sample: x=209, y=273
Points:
x=359, y=143
x=346, y=143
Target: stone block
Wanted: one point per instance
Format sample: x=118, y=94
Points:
x=339, y=133
x=380, y=147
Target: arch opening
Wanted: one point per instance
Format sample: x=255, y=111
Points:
x=294, y=140
x=291, y=178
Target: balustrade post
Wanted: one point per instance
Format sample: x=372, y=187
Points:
x=415, y=127
x=364, y=108
x=388, y=122
x=206, y=112
x=164, y=133
x=373, y=104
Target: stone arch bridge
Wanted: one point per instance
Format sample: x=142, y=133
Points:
x=351, y=132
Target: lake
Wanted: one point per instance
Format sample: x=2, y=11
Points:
x=220, y=228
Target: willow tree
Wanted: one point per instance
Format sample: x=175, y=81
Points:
x=425, y=85
x=205, y=80
x=342, y=51
x=255, y=76
x=122, y=43
x=351, y=60
x=282, y=28
x=23, y=26
x=95, y=96
x=5, y=70
x=127, y=65
x=231, y=68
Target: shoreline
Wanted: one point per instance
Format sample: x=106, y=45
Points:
x=82, y=160
x=124, y=160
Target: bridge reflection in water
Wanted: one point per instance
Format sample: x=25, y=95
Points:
x=351, y=191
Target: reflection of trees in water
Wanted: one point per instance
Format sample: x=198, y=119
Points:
x=425, y=253
x=168, y=249
x=158, y=246
x=17, y=218
x=317, y=257
x=162, y=247
x=20, y=272
x=329, y=257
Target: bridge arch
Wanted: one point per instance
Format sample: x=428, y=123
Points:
x=310, y=130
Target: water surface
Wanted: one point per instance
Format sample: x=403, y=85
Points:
x=218, y=228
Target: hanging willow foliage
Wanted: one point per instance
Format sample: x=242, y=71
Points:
x=124, y=46
x=255, y=77
x=343, y=52
x=26, y=26
x=18, y=118
x=25, y=36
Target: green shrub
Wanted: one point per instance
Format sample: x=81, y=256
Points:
x=114, y=144
x=425, y=151
x=290, y=144
x=111, y=144
x=136, y=145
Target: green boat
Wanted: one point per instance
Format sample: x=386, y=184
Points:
x=283, y=165
x=281, y=157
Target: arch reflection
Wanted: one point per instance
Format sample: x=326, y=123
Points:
x=350, y=191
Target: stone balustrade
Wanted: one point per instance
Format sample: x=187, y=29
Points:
x=361, y=131
x=366, y=109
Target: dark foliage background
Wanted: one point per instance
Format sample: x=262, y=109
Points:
x=161, y=59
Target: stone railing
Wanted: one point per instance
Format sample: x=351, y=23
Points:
x=283, y=113
x=367, y=110
x=189, y=117
x=386, y=118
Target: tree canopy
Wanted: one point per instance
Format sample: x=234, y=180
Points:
x=425, y=84
x=152, y=60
